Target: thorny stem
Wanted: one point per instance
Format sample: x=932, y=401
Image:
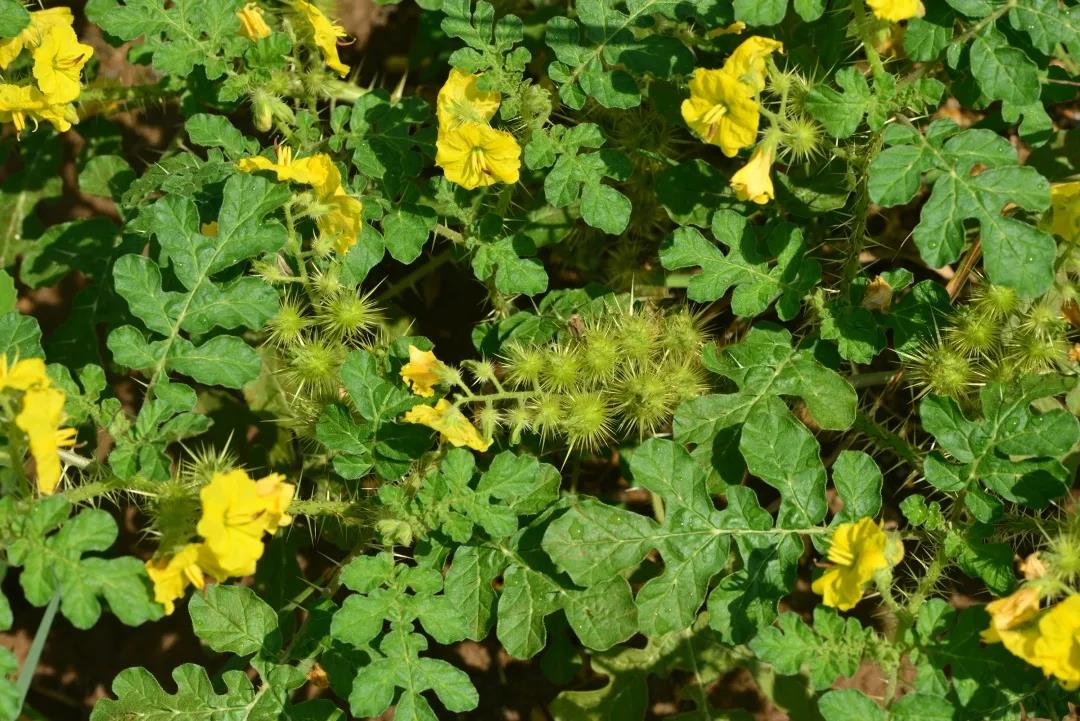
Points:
x=889, y=441
x=863, y=27
x=410, y=279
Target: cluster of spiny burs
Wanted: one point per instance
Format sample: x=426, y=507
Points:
x=621, y=373
x=997, y=337
x=311, y=334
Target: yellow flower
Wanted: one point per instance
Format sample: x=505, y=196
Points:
x=40, y=418
x=58, y=62
x=19, y=101
x=422, y=371
x=858, y=552
x=1058, y=645
x=1065, y=207
x=276, y=495
x=327, y=34
x=747, y=63
x=445, y=418
x=252, y=24
x=210, y=230
x=23, y=375
x=460, y=101
x=896, y=10
x=1011, y=612
x=721, y=110
x=342, y=221
x=172, y=576
x=752, y=181
x=474, y=155
x=234, y=518
x=31, y=35
x=313, y=170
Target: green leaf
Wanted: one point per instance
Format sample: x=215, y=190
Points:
x=20, y=336
x=139, y=696
x=841, y=113
x=21, y=192
x=106, y=175
x=921, y=707
x=849, y=704
x=509, y=262
x=1003, y=72
x=204, y=304
x=746, y=266
x=388, y=592
x=858, y=482
x=377, y=399
x=215, y=131
x=832, y=648
x=232, y=619
x=761, y=12
x=1008, y=427
x=1016, y=253
x=577, y=175
x=52, y=549
x=13, y=18
x=179, y=37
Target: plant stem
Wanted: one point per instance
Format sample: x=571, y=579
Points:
x=863, y=27
x=26, y=676
x=409, y=280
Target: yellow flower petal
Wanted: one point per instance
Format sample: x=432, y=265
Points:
x=422, y=371
x=450, y=422
x=342, y=220
x=1058, y=646
x=252, y=23
x=1065, y=209
x=1010, y=612
x=58, y=63
x=18, y=102
x=460, y=101
x=40, y=418
x=172, y=576
x=326, y=33
x=474, y=155
x=721, y=110
x=23, y=375
x=234, y=518
x=747, y=63
x=896, y=10
x=858, y=552
x=276, y=496
x=30, y=37
x=753, y=181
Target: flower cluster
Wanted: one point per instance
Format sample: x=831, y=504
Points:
x=236, y=513
x=1046, y=638
x=57, y=62
x=40, y=417
x=337, y=214
x=858, y=551
x=471, y=152
x=422, y=373
x=724, y=110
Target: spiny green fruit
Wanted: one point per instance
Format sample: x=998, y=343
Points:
x=974, y=332
x=1043, y=320
x=587, y=420
x=562, y=369
x=314, y=365
x=638, y=335
x=644, y=399
x=942, y=370
x=524, y=364
x=1032, y=352
x=547, y=414
x=997, y=301
x=600, y=355
x=685, y=377
x=803, y=137
x=288, y=326
x=347, y=315
x=681, y=333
